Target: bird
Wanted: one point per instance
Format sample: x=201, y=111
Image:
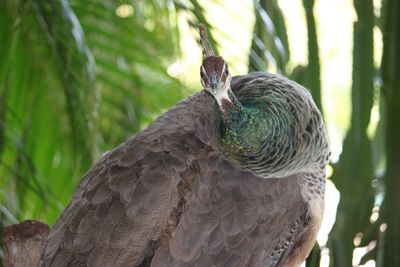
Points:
x=233, y=175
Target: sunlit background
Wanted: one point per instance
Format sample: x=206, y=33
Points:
x=131, y=61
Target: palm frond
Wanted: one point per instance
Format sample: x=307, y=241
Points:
x=131, y=69
x=312, y=75
x=270, y=42
x=48, y=103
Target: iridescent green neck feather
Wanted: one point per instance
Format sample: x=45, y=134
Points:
x=272, y=128
x=246, y=128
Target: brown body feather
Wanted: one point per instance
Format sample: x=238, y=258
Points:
x=166, y=197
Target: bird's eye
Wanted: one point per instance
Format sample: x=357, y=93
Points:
x=226, y=70
x=202, y=74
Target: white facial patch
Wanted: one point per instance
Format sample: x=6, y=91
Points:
x=222, y=93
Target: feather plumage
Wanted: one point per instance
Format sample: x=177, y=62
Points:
x=168, y=196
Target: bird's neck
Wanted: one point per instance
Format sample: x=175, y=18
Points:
x=243, y=128
x=224, y=97
x=228, y=104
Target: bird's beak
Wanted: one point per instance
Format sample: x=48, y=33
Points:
x=213, y=88
x=214, y=84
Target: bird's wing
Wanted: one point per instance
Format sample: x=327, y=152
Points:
x=235, y=219
x=127, y=202
x=298, y=245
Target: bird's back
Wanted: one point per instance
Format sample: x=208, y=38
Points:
x=166, y=197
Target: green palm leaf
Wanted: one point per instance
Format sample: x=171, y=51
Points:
x=270, y=42
x=47, y=83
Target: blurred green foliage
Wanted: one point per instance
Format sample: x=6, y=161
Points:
x=76, y=79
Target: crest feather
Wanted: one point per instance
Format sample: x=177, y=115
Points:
x=205, y=44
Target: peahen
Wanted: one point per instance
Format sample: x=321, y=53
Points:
x=231, y=176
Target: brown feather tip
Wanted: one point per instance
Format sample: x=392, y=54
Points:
x=205, y=44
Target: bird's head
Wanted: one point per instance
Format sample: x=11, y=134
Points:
x=214, y=72
x=215, y=76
